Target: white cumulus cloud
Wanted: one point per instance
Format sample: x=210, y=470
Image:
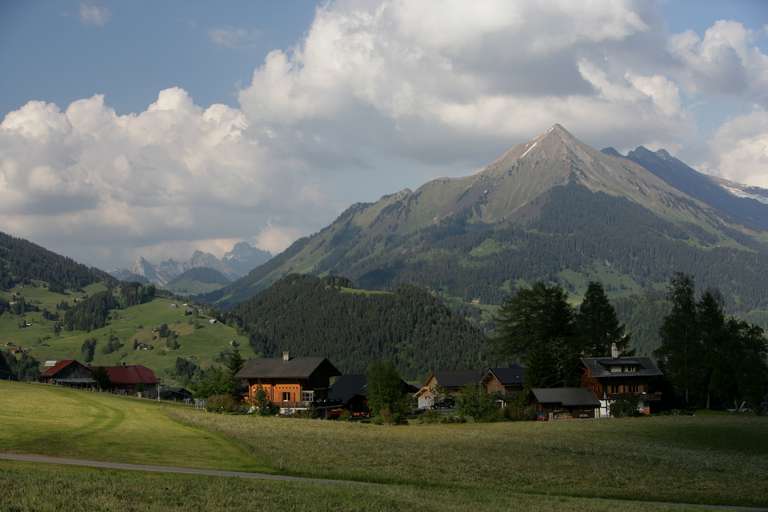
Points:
x=92, y=14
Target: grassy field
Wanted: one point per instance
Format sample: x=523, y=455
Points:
x=580, y=465
x=202, y=344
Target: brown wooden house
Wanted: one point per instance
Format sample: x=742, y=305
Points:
x=564, y=403
x=441, y=387
x=68, y=372
x=504, y=384
x=611, y=378
x=290, y=383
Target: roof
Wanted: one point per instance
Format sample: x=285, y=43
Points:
x=599, y=367
x=458, y=379
x=130, y=374
x=347, y=387
x=515, y=374
x=568, y=397
x=277, y=368
x=51, y=371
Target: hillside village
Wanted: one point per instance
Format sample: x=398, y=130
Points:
x=313, y=384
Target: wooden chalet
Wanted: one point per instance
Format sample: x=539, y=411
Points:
x=441, y=387
x=564, y=403
x=504, y=384
x=67, y=372
x=612, y=378
x=132, y=380
x=350, y=392
x=292, y=384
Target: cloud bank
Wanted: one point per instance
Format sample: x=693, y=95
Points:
x=370, y=100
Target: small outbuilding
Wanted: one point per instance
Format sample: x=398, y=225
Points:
x=441, y=387
x=564, y=403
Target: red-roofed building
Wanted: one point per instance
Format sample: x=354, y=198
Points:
x=67, y=372
x=132, y=379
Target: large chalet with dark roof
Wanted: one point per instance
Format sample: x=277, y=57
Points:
x=291, y=384
x=615, y=377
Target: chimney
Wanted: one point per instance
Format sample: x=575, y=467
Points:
x=614, y=351
x=286, y=356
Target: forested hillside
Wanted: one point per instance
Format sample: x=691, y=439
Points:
x=311, y=316
x=22, y=261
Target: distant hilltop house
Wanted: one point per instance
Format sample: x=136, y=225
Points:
x=616, y=377
x=67, y=372
x=441, y=387
x=292, y=384
x=564, y=403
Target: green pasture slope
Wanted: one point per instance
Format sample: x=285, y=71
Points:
x=632, y=464
x=202, y=344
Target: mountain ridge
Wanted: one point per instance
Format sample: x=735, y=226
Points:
x=552, y=209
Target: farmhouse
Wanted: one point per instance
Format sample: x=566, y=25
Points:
x=350, y=392
x=291, y=384
x=441, y=387
x=612, y=378
x=132, y=379
x=67, y=372
x=564, y=403
x=504, y=383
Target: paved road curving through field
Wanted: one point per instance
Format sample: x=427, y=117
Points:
x=45, y=459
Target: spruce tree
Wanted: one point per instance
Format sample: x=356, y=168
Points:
x=598, y=325
x=681, y=349
x=536, y=326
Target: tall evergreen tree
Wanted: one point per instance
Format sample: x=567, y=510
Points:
x=681, y=350
x=386, y=397
x=537, y=326
x=598, y=325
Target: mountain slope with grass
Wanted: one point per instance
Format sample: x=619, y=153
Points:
x=553, y=209
x=197, y=280
x=50, y=305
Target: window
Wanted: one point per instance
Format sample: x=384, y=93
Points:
x=307, y=396
x=286, y=396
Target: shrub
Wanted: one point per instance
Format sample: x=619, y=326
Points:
x=431, y=417
x=345, y=415
x=625, y=407
x=516, y=412
x=473, y=401
x=223, y=404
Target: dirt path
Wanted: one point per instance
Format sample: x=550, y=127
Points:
x=44, y=459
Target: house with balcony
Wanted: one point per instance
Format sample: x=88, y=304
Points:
x=292, y=384
x=616, y=377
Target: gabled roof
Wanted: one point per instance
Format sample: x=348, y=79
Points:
x=130, y=375
x=347, y=387
x=458, y=379
x=510, y=376
x=277, y=368
x=51, y=371
x=599, y=367
x=567, y=397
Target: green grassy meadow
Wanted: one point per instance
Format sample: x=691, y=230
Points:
x=201, y=344
x=584, y=465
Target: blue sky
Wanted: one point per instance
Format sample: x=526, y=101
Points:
x=376, y=99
